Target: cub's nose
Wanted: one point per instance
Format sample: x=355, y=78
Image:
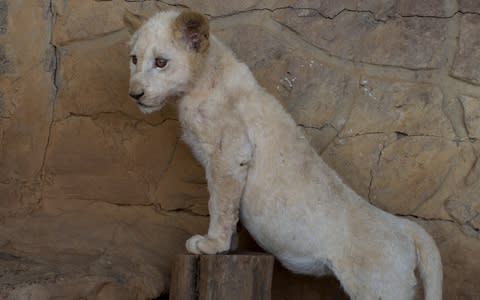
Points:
x=136, y=96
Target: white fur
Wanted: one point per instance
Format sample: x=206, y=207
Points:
x=260, y=167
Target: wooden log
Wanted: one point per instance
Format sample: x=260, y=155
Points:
x=184, y=281
x=222, y=277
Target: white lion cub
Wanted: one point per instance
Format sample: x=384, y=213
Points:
x=260, y=168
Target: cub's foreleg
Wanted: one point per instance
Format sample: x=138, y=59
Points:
x=226, y=172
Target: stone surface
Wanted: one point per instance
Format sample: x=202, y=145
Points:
x=413, y=43
x=97, y=198
x=315, y=93
x=330, y=8
x=219, y=8
x=403, y=177
x=469, y=6
x=75, y=249
x=467, y=59
x=389, y=8
x=471, y=108
x=5, y=63
x=26, y=89
x=356, y=159
x=404, y=108
x=80, y=21
x=3, y=16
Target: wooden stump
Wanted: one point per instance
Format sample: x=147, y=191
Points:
x=222, y=277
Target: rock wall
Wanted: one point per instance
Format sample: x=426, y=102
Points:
x=96, y=198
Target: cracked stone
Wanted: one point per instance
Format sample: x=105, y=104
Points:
x=4, y=112
x=85, y=248
x=84, y=20
x=469, y=6
x=355, y=159
x=461, y=178
x=465, y=206
x=6, y=65
x=476, y=222
x=413, y=43
x=403, y=179
x=218, y=8
x=454, y=111
x=3, y=16
x=389, y=8
x=321, y=137
x=411, y=109
x=312, y=91
x=93, y=66
x=471, y=108
x=466, y=65
x=118, y=166
x=26, y=90
x=462, y=212
x=329, y=8
x=73, y=164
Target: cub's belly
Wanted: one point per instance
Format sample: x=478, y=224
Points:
x=278, y=225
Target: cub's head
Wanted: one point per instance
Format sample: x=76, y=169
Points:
x=167, y=52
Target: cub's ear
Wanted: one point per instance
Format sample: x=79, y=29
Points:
x=192, y=29
x=133, y=21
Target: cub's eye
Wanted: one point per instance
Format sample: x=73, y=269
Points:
x=134, y=59
x=160, y=62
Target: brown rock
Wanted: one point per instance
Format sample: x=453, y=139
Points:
x=469, y=6
x=356, y=159
x=404, y=108
x=73, y=163
x=84, y=20
x=6, y=66
x=389, y=8
x=461, y=211
x=413, y=43
x=321, y=137
x=3, y=16
x=475, y=223
x=315, y=93
x=403, y=179
x=471, y=108
x=467, y=59
x=123, y=162
x=219, y=8
x=461, y=174
x=84, y=248
x=26, y=95
x=381, y=9
x=464, y=206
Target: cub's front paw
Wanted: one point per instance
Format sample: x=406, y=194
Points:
x=199, y=244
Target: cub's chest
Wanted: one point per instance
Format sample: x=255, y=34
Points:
x=200, y=120
x=201, y=129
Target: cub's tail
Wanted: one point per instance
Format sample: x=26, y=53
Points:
x=429, y=262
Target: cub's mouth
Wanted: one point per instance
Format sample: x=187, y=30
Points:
x=149, y=108
x=146, y=106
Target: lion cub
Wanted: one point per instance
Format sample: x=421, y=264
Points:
x=260, y=168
